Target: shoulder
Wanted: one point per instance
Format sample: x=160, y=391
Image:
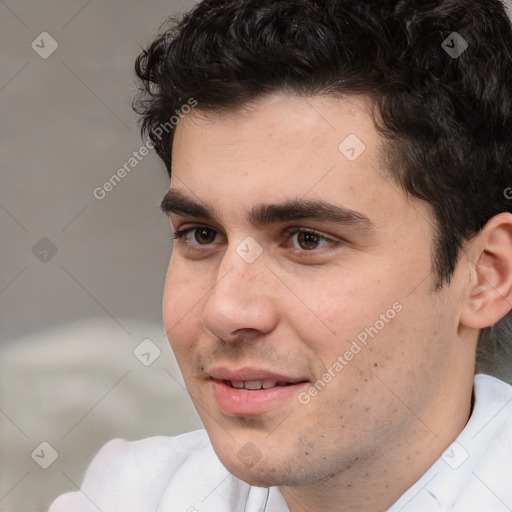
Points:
x=489, y=429
x=493, y=404
x=491, y=423
x=488, y=443
x=134, y=475
x=474, y=472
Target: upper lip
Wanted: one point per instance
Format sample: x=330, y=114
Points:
x=250, y=374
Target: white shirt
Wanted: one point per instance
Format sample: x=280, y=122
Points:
x=183, y=474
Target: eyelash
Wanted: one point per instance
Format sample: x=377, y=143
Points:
x=181, y=233
x=294, y=231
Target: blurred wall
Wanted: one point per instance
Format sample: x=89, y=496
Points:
x=66, y=128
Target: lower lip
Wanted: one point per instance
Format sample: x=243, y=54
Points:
x=238, y=402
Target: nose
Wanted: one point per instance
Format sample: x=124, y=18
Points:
x=241, y=304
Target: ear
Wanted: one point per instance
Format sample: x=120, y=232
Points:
x=490, y=255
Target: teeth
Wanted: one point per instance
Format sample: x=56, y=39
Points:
x=253, y=384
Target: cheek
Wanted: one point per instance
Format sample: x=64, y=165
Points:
x=330, y=313
x=358, y=329
x=181, y=311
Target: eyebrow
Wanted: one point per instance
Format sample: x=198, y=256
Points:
x=175, y=201
x=303, y=209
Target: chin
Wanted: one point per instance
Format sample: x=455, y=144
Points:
x=265, y=472
x=248, y=463
x=261, y=474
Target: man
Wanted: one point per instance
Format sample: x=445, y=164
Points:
x=338, y=195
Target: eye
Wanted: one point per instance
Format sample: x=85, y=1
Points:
x=197, y=236
x=308, y=240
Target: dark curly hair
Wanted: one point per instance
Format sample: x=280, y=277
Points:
x=446, y=118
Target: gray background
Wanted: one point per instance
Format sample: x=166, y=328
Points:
x=69, y=325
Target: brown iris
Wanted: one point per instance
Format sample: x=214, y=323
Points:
x=204, y=236
x=308, y=241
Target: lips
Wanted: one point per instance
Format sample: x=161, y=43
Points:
x=252, y=391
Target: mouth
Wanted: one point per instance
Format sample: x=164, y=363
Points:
x=253, y=392
x=255, y=385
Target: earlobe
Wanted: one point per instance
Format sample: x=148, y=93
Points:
x=490, y=295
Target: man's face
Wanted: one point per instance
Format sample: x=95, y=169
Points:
x=299, y=299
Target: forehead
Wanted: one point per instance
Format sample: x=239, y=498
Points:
x=284, y=148
x=283, y=126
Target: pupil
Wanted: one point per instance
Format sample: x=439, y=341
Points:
x=204, y=236
x=308, y=241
